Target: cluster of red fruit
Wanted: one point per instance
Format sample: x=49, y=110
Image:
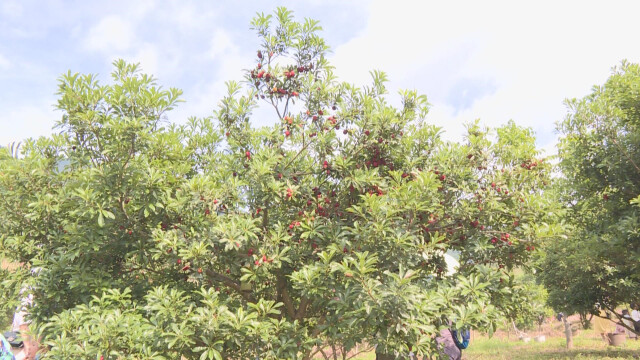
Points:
x=499, y=189
x=505, y=239
x=376, y=158
x=529, y=164
x=275, y=86
x=263, y=260
x=326, y=206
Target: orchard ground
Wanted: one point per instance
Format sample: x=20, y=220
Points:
x=506, y=346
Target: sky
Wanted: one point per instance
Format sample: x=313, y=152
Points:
x=487, y=60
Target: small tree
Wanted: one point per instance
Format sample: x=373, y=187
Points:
x=222, y=240
x=599, y=151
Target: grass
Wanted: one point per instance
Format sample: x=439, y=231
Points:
x=587, y=345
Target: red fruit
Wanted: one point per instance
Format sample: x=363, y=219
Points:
x=493, y=184
x=248, y=154
x=295, y=93
x=257, y=262
x=264, y=258
x=199, y=270
x=215, y=201
x=259, y=54
x=250, y=252
x=130, y=232
x=227, y=134
x=169, y=250
x=290, y=226
x=207, y=211
x=325, y=164
x=186, y=268
x=366, y=132
x=345, y=131
x=260, y=74
x=179, y=261
x=494, y=240
x=443, y=177
x=315, y=117
x=344, y=250
x=287, y=133
x=605, y=197
x=314, y=245
x=228, y=271
x=516, y=223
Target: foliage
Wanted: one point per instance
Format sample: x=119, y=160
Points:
x=600, y=185
x=216, y=239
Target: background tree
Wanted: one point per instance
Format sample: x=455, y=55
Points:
x=218, y=239
x=599, y=151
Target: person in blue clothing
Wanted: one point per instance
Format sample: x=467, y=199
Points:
x=6, y=352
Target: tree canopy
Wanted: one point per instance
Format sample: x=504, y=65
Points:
x=599, y=150
x=218, y=239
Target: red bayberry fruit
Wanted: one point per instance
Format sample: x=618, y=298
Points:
x=179, y=261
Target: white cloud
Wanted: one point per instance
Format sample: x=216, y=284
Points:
x=112, y=33
x=147, y=56
x=533, y=55
x=27, y=121
x=220, y=44
x=4, y=62
x=203, y=98
x=11, y=8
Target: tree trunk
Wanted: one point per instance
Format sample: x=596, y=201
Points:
x=567, y=332
x=380, y=356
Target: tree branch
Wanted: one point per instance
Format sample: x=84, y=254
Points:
x=230, y=283
x=283, y=293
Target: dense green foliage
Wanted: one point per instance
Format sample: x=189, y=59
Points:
x=216, y=239
x=599, y=155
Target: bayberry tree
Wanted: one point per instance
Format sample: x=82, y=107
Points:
x=219, y=239
x=600, y=187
